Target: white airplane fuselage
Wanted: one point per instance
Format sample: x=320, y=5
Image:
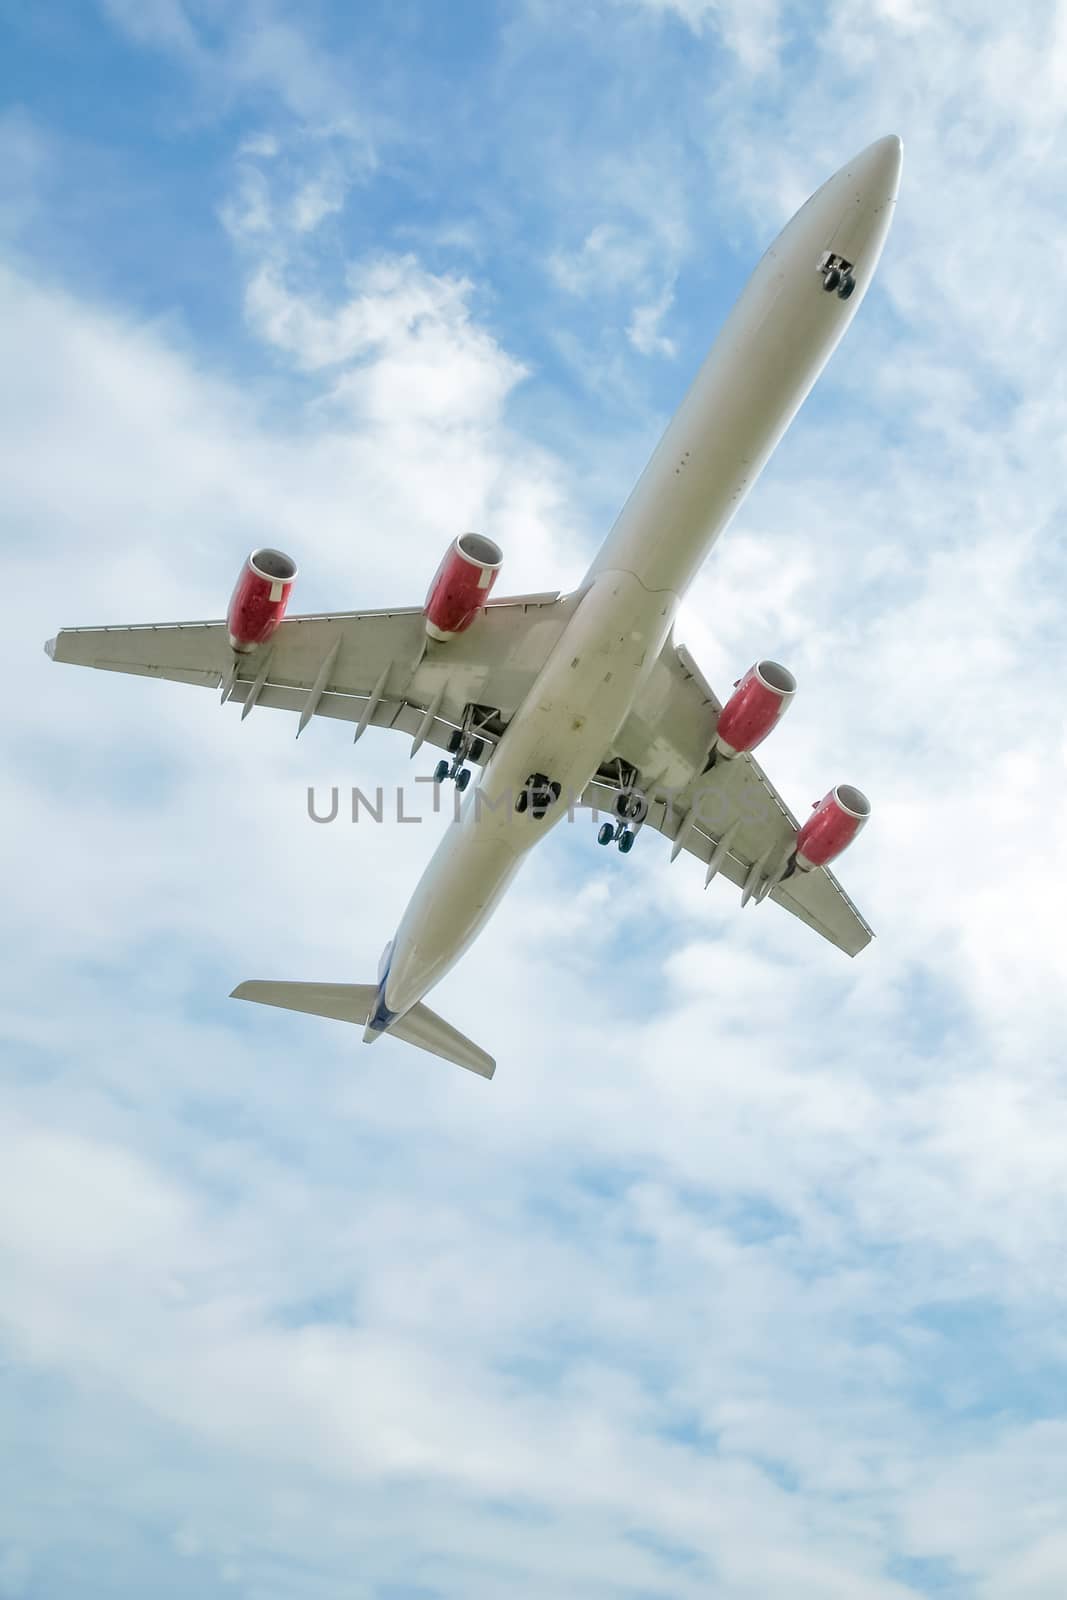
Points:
x=770, y=351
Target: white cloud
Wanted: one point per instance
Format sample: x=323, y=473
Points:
x=26, y=158
x=402, y=352
x=619, y=259
x=317, y=199
x=165, y=23
x=250, y=51
x=749, y=30
x=610, y=257
x=259, y=144
x=644, y=330
x=248, y=211
x=282, y=193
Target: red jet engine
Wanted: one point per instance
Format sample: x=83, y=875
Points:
x=259, y=599
x=758, y=700
x=462, y=584
x=832, y=826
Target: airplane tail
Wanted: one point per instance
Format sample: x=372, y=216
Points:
x=355, y=1002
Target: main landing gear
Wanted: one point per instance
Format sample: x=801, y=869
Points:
x=448, y=769
x=629, y=807
x=836, y=274
x=464, y=745
x=536, y=795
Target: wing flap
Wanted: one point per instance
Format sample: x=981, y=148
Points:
x=339, y=662
x=402, y=715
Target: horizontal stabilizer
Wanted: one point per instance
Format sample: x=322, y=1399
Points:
x=354, y=1002
x=424, y=1028
x=346, y=1002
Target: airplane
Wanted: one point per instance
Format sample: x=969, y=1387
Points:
x=581, y=698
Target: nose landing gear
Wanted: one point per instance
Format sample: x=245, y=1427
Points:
x=536, y=795
x=836, y=274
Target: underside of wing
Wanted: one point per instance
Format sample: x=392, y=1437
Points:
x=731, y=817
x=372, y=668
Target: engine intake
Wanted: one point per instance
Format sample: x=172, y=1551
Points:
x=461, y=585
x=759, y=699
x=832, y=826
x=259, y=599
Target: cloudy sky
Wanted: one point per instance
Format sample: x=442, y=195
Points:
x=744, y=1277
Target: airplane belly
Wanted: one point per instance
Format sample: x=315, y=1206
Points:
x=458, y=893
x=562, y=730
x=586, y=688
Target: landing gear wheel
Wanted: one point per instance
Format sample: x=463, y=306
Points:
x=831, y=279
x=626, y=841
x=463, y=777
x=477, y=750
x=847, y=286
x=537, y=794
x=440, y=772
x=606, y=834
x=455, y=739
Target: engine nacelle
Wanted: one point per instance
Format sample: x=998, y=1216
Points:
x=462, y=584
x=259, y=599
x=758, y=700
x=832, y=826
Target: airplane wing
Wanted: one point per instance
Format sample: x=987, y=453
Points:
x=373, y=668
x=666, y=739
x=377, y=669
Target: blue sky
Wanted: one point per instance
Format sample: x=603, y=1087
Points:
x=744, y=1276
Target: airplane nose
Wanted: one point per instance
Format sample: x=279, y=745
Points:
x=876, y=170
x=850, y=214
